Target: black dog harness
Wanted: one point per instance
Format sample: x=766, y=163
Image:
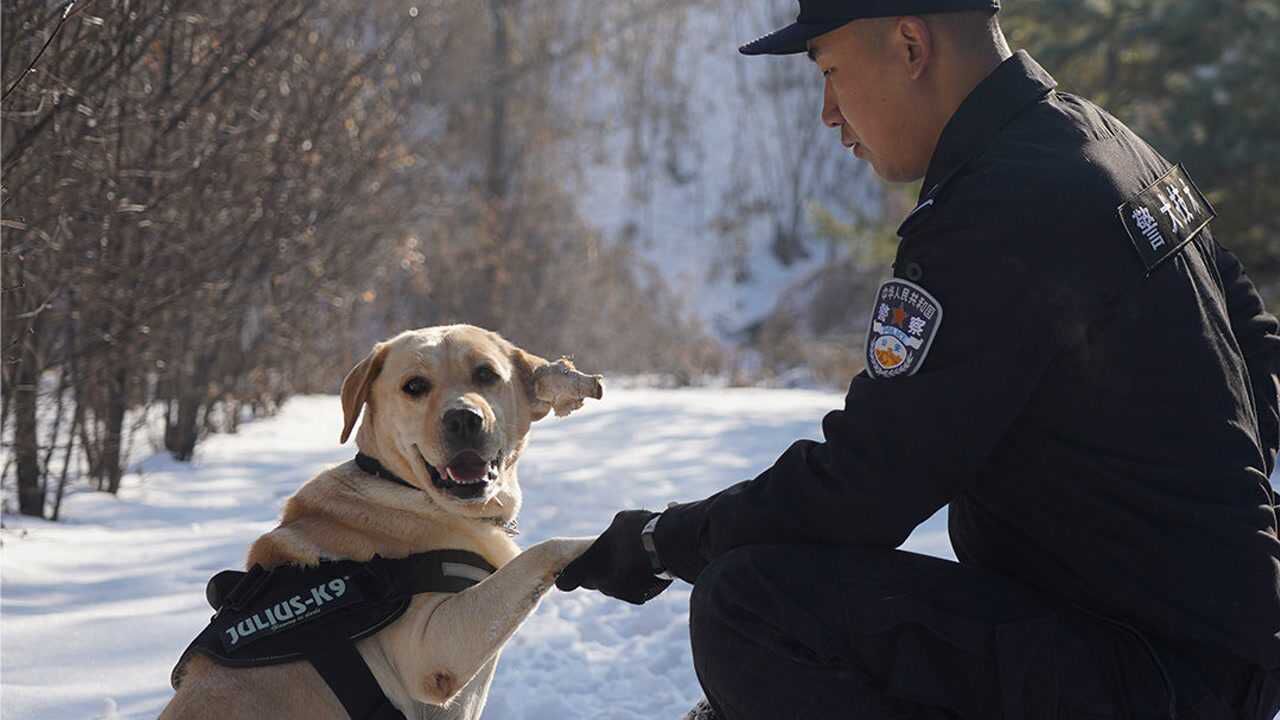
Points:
x=292, y=613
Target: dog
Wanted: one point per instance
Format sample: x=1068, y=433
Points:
x=447, y=410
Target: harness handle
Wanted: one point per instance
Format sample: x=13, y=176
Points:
x=235, y=589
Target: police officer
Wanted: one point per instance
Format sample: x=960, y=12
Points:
x=1067, y=359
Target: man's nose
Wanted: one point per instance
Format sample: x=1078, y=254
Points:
x=831, y=116
x=462, y=425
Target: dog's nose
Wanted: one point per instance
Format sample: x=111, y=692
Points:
x=462, y=425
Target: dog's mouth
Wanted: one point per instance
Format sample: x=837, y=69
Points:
x=467, y=476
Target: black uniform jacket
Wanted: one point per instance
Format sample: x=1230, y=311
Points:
x=1103, y=431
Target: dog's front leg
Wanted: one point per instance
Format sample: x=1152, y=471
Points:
x=439, y=647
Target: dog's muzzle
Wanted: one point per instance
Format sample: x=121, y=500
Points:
x=467, y=476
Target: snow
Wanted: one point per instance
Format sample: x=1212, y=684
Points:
x=97, y=608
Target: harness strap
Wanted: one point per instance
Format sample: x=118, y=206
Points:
x=347, y=675
x=336, y=657
x=436, y=571
x=433, y=571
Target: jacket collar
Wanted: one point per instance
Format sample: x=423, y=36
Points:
x=1015, y=84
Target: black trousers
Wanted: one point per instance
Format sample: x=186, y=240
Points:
x=822, y=632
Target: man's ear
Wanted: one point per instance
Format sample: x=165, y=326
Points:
x=555, y=385
x=355, y=387
x=914, y=37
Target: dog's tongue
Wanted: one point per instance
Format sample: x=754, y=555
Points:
x=467, y=467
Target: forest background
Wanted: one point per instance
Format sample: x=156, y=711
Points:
x=207, y=208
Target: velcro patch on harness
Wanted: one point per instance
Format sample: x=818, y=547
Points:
x=1165, y=216
x=284, y=611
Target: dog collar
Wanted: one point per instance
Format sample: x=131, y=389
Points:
x=372, y=466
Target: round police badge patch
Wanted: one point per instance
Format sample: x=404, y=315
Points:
x=903, y=323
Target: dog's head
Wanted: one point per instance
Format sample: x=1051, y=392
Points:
x=449, y=409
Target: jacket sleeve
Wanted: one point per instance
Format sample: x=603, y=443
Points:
x=901, y=447
x=1258, y=335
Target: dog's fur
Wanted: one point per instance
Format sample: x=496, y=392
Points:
x=436, y=660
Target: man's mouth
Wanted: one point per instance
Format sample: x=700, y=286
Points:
x=467, y=476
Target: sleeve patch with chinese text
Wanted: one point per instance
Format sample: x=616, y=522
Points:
x=904, y=321
x=1165, y=216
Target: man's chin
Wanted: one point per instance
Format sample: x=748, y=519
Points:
x=882, y=170
x=860, y=152
x=894, y=175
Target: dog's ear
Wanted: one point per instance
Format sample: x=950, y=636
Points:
x=355, y=387
x=555, y=385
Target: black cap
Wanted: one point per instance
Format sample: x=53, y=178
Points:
x=822, y=16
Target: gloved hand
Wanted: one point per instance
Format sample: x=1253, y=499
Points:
x=616, y=564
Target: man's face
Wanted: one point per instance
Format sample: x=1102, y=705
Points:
x=868, y=96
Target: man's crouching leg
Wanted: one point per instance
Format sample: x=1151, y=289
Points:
x=766, y=641
x=821, y=632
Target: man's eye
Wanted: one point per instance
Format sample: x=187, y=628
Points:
x=485, y=375
x=826, y=72
x=416, y=387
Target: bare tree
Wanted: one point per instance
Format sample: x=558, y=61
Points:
x=208, y=207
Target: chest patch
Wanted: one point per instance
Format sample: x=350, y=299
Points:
x=1165, y=216
x=904, y=320
x=284, y=611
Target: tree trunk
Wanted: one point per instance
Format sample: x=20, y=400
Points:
x=25, y=442
x=185, y=429
x=66, y=463
x=117, y=401
x=181, y=435
x=497, y=171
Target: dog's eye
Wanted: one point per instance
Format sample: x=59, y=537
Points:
x=416, y=386
x=485, y=375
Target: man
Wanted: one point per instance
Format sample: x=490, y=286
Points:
x=1067, y=359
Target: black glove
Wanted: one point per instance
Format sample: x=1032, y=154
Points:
x=616, y=564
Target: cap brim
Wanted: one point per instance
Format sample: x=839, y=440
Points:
x=789, y=40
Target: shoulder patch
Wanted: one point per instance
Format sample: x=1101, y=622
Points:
x=904, y=321
x=1165, y=216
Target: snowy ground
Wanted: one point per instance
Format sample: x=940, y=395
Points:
x=97, y=608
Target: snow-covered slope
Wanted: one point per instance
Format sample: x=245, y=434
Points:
x=719, y=163
x=98, y=607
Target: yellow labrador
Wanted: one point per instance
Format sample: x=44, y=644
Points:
x=448, y=410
